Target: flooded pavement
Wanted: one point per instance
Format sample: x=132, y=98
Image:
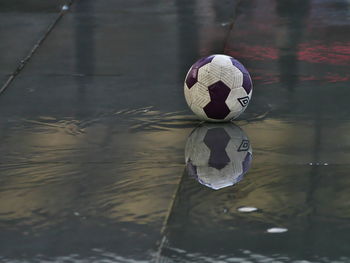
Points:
x=293, y=204
x=22, y=25
x=94, y=128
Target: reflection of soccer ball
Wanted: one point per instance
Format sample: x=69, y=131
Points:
x=218, y=155
x=218, y=88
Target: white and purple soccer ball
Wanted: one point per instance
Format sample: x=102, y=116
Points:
x=218, y=88
x=218, y=155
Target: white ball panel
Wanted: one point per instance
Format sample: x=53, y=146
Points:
x=201, y=155
x=221, y=60
x=232, y=150
x=199, y=111
x=199, y=95
x=233, y=131
x=196, y=150
x=232, y=77
x=232, y=99
x=237, y=78
x=233, y=115
x=214, y=69
x=206, y=77
x=236, y=165
x=214, y=178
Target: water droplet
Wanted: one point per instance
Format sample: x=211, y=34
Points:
x=325, y=164
x=277, y=230
x=247, y=209
x=65, y=8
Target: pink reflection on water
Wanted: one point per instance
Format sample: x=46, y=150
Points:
x=337, y=54
x=254, y=52
x=269, y=78
x=337, y=78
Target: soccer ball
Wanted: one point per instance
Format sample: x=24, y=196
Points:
x=218, y=88
x=218, y=155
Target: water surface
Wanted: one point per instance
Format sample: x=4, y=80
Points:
x=93, y=134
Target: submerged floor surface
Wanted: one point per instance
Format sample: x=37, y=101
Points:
x=93, y=127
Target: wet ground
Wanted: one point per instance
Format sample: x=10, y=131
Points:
x=93, y=128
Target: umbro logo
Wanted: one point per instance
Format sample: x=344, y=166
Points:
x=243, y=101
x=244, y=146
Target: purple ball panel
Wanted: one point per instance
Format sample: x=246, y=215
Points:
x=216, y=140
x=239, y=178
x=245, y=166
x=217, y=108
x=192, y=76
x=203, y=61
x=239, y=65
x=218, y=91
x=247, y=162
x=247, y=81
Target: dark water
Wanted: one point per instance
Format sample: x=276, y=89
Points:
x=93, y=134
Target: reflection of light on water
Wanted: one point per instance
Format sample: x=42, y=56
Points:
x=247, y=209
x=318, y=164
x=96, y=255
x=125, y=164
x=65, y=7
x=242, y=255
x=276, y=230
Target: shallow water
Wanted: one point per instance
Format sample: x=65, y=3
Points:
x=92, y=152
